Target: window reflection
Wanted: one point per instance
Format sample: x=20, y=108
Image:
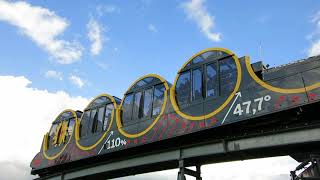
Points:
x=85, y=123
x=147, y=102
x=183, y=88
x=100, y=120
x=96, y=118
x=228, y=76
x=99, y=101
x=196, y=84
x=127, y=108
x=70, y=126
x=197, y=59
x=212, y=55
x=144, y=81
x=137, y=111
x=158, y=97
x=107, y=117
x=93, y=120
x=52, y=131
x=211, y=81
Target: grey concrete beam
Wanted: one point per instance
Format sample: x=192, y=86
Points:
x=129, y=163
x=205, y=150
x=273, y=140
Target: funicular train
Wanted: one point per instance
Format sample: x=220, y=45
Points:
x=213, y=88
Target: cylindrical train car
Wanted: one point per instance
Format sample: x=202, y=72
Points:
x=213, y=88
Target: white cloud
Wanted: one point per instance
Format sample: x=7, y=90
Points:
x=152, y=28
x=314, y=49
x=316, y=20
x=103, y=65
x=104, y=9
x=314, y=37
x=95, y=36
x=76, y=81
x=26, y=115
x=43, y=27
x=54, y=75
x=15, y=170
x=197, y=12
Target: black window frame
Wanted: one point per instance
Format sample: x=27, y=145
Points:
x=91, y=130
x=202, y=65
x=142, y=89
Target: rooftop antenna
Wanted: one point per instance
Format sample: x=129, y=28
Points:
x=260, y=54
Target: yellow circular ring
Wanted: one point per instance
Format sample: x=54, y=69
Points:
x=119, y=124
x=276, y=89
x=196, y=118
x=77, y=135
x=45, y=139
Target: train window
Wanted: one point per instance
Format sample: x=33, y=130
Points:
x=147, y=103
x=157, y=99
x=93, y=120
x=196, y=84
x=99, y=123
x=127, y=108
x=144, y=81
x=107, y=117
x=98, y=101
x=146, y=99
x=65, y=115
x=211, y=55
x=208, y=55
x=137, y=111
x=197, y=59
x=183, y=88
x=96, y=118
x=211, y=80
x=228, y=75
x=70, y=126
x=53, y=131
x=85, y=123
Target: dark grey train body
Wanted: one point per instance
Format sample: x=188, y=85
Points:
x=212, y=89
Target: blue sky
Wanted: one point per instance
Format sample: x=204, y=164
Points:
x=146, y=36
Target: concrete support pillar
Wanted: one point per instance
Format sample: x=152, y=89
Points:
x=185, y=171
